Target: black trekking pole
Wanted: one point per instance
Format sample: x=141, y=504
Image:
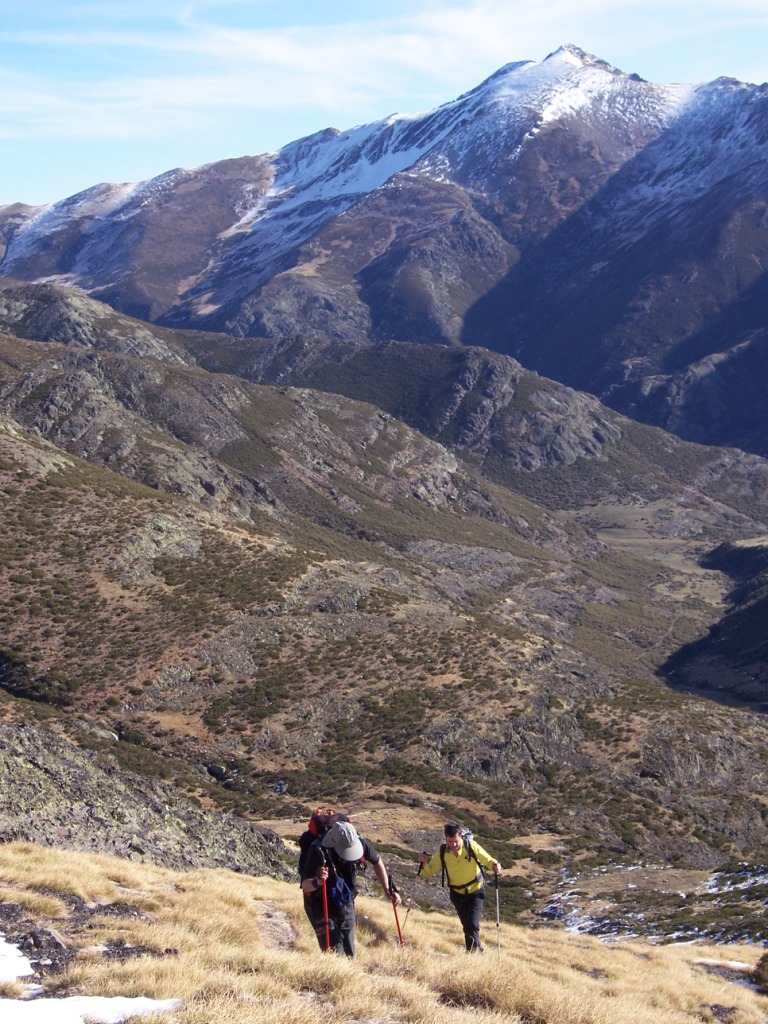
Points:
x=392, y=890
x=498, y=926
x=410, y=898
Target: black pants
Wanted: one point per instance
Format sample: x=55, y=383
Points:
x=341, y=924
x=469, y=907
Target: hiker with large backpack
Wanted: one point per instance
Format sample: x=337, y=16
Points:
x=462, y=859
x=329, y=871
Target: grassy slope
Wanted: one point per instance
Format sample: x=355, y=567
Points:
x=238, y=949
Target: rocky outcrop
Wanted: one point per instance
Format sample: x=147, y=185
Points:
x=719, y=399
x=57, y=314
x=57, y=794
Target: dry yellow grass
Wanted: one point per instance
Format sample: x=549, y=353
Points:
x=238, y=950
x=36, y=904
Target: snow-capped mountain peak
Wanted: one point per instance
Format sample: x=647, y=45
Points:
x=319, y=177
x=525, y=149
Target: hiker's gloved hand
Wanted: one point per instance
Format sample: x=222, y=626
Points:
x=423, y=857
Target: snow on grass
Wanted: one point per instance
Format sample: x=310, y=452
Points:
x=71, y=1010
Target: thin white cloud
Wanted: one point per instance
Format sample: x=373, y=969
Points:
x=332, y=67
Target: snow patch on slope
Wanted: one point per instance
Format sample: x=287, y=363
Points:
x=71, y=1010
x=689, y=159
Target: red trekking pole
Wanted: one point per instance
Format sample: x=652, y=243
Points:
x=325, y=911
x=392, y=891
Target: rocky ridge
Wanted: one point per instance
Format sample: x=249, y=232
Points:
x=59, y=793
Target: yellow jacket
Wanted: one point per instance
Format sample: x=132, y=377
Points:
x=462, y=871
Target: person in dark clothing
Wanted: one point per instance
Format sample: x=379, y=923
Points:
x=320, y=821
x=339, y=855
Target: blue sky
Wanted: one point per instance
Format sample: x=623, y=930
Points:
x=122, y=90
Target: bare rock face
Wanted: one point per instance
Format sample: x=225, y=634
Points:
x=58, y=314
x=58, y=794
x=482, y=405
x=718, y=399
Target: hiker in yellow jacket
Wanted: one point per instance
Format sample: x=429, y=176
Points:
x=461, y=859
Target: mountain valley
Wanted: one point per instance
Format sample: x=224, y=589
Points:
x=292, y=515
x=186, y=600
